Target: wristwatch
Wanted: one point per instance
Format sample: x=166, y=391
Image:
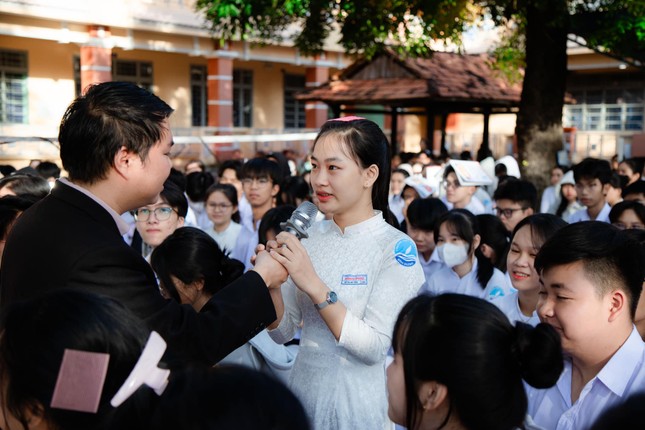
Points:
x=330, y=300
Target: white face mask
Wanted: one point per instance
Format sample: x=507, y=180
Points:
x=452, y=254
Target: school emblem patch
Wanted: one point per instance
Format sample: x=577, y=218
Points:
x=405, y=252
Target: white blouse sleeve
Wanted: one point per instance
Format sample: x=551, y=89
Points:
x=286, y=330
x=369, y=338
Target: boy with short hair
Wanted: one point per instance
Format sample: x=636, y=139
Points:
x=260, y=178
x=515, y=199
x=592, y=184
x=591, y=276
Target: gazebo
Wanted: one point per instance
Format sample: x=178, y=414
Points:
x=437, y=86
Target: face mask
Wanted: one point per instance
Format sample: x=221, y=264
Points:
x=453, y=255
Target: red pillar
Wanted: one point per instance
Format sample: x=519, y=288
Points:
x=220, y=93
x=96, y=57
x=316, y=112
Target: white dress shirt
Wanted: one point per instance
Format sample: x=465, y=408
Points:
x=583, y=215
x=623, y=375
x=510, y=305
x=446, y=280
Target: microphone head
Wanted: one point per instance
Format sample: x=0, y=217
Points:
x=301, y=219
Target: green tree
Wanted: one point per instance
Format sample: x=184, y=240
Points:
x=537, y=40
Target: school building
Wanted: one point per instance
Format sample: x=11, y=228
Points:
x=237, y=95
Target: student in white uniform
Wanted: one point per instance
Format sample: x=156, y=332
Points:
x=592, y=183
x=347, y=281
x=221, y=207
x=467, y=271
x=459, y=364
x=592, y=275
x=155, y=222
x=395, y=197
x=460, y=196
x=527, y=239
x=423, y=215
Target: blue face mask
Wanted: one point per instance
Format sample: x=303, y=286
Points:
x=452, y=254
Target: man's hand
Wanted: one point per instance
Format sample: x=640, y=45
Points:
x=273, y=273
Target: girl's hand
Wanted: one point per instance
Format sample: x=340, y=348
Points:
x=289, y=252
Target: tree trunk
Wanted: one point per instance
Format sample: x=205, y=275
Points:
x=539, y=120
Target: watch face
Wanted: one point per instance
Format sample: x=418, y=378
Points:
x=333, y=298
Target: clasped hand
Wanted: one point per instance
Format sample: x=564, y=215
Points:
x=287, y=250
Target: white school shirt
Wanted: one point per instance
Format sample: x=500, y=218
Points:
x=374, y=270
x=396, y=203
x=446, y=280
x=510, y=305
x=227, y=239
x=623, y=375
x=583, y=215
x=430, y=267
x=476, y=207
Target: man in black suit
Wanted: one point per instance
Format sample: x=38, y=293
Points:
x=115, y=143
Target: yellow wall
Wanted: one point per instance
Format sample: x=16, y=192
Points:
x=268, y=91
x=50, y=84
x=171, y=78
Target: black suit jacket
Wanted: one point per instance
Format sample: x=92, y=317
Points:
x=67, y=240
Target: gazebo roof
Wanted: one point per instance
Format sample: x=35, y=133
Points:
x=447, y=79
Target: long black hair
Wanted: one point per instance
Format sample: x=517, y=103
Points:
x=190, y=255
x=463, y=342
x=35, y=335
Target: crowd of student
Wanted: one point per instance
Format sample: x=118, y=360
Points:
x=491, y=308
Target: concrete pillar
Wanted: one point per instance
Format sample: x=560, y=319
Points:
x=220, y=93
x=96, y=57
x=315, y=112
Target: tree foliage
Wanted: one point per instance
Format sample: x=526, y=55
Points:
x=365, y=26
x=535, y=40
x=410, y=27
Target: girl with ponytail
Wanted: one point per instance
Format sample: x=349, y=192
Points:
x=467, y=270
x=459, y=364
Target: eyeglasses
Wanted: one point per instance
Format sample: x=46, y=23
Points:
x=448, y=184
x=635, y=226
x=219, y=206
x=507, y=213
x=161, y=213
x=260, y=181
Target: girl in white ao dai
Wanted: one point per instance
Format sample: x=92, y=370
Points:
x=347, y=281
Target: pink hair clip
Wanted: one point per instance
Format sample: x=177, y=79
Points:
x=347, y=118
x=80, y=381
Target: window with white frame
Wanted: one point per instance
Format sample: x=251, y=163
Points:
x=137, y=72
x=606, y=104
x=242, y=98
x=294, y=110
x=13, y=86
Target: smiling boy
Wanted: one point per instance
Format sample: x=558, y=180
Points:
x=591, y=276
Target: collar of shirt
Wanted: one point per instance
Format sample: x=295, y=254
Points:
x=617, y=372
x=615, y=375
x=121, y=224
x=603, y=215
x=372, y=224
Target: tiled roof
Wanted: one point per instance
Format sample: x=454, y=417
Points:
x=445, y=77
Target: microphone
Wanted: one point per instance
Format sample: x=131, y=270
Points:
x=301, y=219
